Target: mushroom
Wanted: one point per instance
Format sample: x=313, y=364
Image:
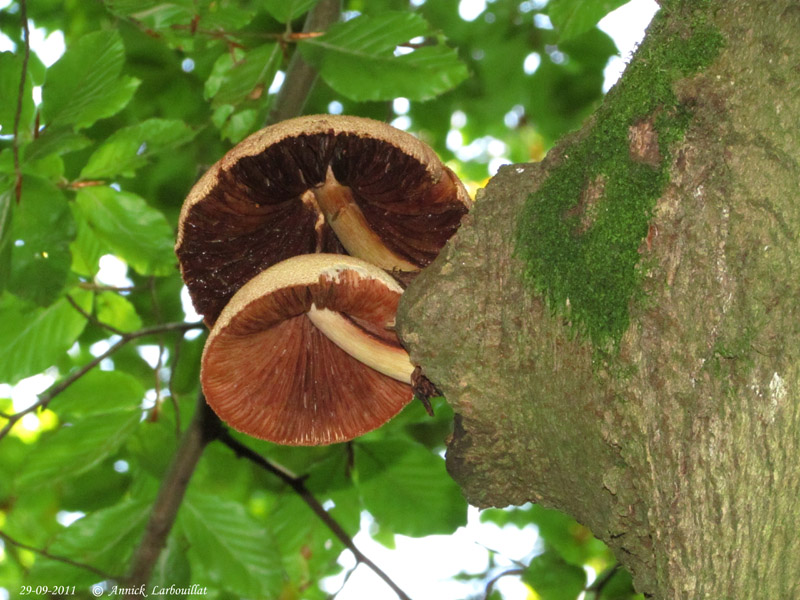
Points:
x=335, y=184
x=305, y=352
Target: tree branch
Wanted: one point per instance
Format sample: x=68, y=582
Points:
x=299, y=487
x=300, y=76
x=202, y=429
x=23, y=12
x=52, y=392
x=40, y=551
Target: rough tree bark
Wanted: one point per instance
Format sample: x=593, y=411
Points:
x=677, y=442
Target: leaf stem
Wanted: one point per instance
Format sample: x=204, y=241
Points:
x=23, y=12
x=40, y=551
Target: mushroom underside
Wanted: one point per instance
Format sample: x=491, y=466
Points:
x=270, y=373
x=255, y=214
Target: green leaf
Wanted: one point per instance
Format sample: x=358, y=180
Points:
x=186, y=372
x=239, y=125
x=130, y=148
x=553, y=578
x=233, y=549
x=172, y=566
x=235, y=77
x=287, y=10
x=294, y=525
x=356, y=58
x=80, y=446
x=405, y=487
x=580, y=79
x=52, y=140
x=42, y=231
x=137, y=232
x=98, y=393
x=85, y=84
x=86, y=248
x=33, y=339
x=619, y=586
x=104, y=539
x=574, y=17
x=6, y=239
x=10, y=72
x=573, y=541
x=232, y=125
x=154, y=13
x=221, y=115
x=117, y=311
x=12, y=456
x=99, y=487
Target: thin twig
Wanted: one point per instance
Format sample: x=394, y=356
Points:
x=99, y=287
x=40, y=551
x=299, y=487
x=493, y=580
x=221, y=34
x=77, y=185
x=597, y=586
x=92, y=319
x=23, y=10
x=494, y=552
x=52, y=392
x=300, y=76
x=344, y=582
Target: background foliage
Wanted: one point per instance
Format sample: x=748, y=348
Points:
x=109, y=139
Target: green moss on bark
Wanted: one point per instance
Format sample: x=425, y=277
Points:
x=581, y=232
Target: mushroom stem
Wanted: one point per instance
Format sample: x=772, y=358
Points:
x=391, y=360
x=348, y=222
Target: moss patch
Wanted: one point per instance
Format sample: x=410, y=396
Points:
x=580, y=240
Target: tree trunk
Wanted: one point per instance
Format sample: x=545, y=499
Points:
x=618, y=328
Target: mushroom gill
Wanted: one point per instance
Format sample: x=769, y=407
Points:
x=385, y=197
x=271, y=372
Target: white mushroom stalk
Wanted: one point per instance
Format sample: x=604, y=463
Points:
x=367, y=349
x=351, y=227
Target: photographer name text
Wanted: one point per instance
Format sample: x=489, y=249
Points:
x=156, y=590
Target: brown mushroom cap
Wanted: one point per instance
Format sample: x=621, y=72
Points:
x=268, y=371
x=292, y=188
